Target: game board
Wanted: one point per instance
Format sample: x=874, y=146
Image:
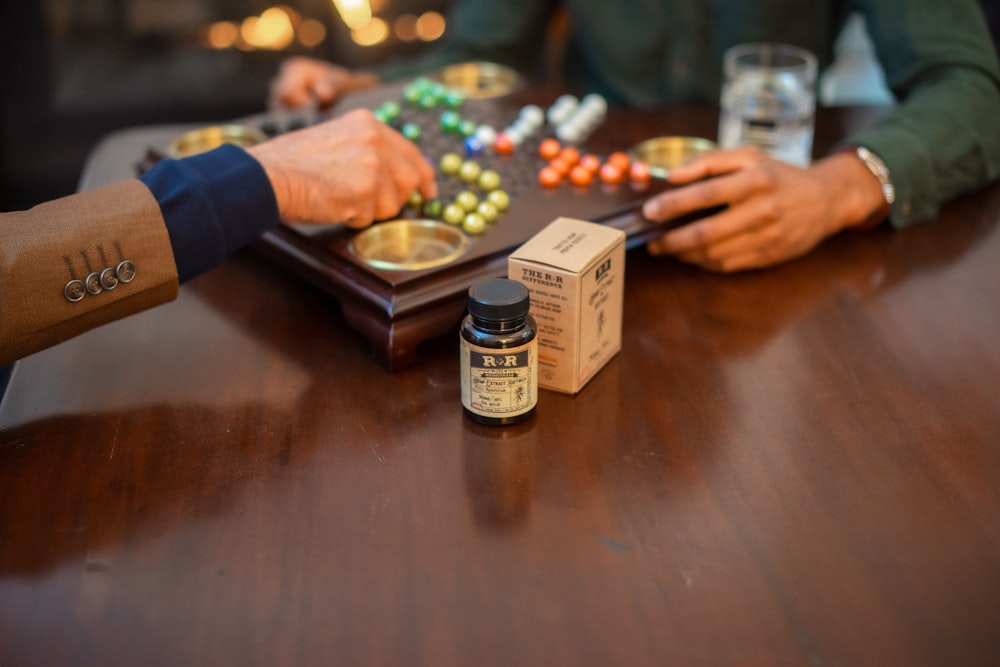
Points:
x=399, y=309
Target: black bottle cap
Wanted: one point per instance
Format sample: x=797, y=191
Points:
x=499, y=299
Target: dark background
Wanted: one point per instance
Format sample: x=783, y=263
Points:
x=72, y=71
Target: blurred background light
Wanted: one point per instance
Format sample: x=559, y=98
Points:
x=405, y=27
x=371, y=33
x=430, y=26
x=311, y=33
x=356, y=14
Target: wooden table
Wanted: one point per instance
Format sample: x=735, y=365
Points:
x=797, y=466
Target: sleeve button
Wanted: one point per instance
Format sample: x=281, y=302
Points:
x=93, y=283
x=74, y=291
x=125, y=271
x=109, y=280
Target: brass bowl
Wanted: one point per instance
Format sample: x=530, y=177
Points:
x=665, y=153
x=207, y=138
x=409, y=244
x=480, y=80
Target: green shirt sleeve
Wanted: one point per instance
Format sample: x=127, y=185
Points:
x=944, y=137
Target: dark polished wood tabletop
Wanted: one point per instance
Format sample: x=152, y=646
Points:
x=794, y=466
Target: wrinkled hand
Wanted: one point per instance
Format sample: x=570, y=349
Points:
x=773, y=212
x=352, y=169
x=302, y=82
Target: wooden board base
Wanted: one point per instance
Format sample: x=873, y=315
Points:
x=397, y=310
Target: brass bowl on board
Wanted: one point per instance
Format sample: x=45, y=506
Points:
x=480, y=80
x=665, y=153
x=207, y=138
x=409, y=244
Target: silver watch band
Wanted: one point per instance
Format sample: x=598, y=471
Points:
x=878, y=169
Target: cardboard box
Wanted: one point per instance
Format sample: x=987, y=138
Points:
x=575, y=271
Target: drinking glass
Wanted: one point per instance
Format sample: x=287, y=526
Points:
x=769, y=100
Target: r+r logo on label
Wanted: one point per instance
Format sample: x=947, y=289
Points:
x=491, y=361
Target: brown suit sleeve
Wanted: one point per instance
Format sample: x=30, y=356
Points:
x=76, y=263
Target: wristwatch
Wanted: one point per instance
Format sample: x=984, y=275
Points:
x=878, y=169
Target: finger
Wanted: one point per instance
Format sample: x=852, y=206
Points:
x=745, y=261
x=713, y=163
x=405, y=179
x=364, y=213
x=276, y=100
x=697, y=196
x=696, y=169
x=396, y=182
x=721, y=262
x=377, y=198
x=416, y=161
x=298, y=87
x=757, y=247
x=427, y=185
x=385, y=160
x=388, y=202
x=291, y=97
x=724, y=185
x=731, y=253
x=323, y=92
x=415, y=177
x=733, y=221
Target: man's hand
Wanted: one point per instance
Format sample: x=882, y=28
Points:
x=352, y=169
x=774, y=212
x=303, y=82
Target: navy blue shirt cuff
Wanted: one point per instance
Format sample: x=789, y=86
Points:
x=213, y=204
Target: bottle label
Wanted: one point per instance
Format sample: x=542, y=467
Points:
x=499, y=383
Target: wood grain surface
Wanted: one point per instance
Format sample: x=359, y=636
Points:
x=796, y=466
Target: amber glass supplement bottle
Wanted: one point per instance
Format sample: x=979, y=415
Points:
x=499, y=354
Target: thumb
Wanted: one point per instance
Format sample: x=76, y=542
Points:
x=324, y=91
